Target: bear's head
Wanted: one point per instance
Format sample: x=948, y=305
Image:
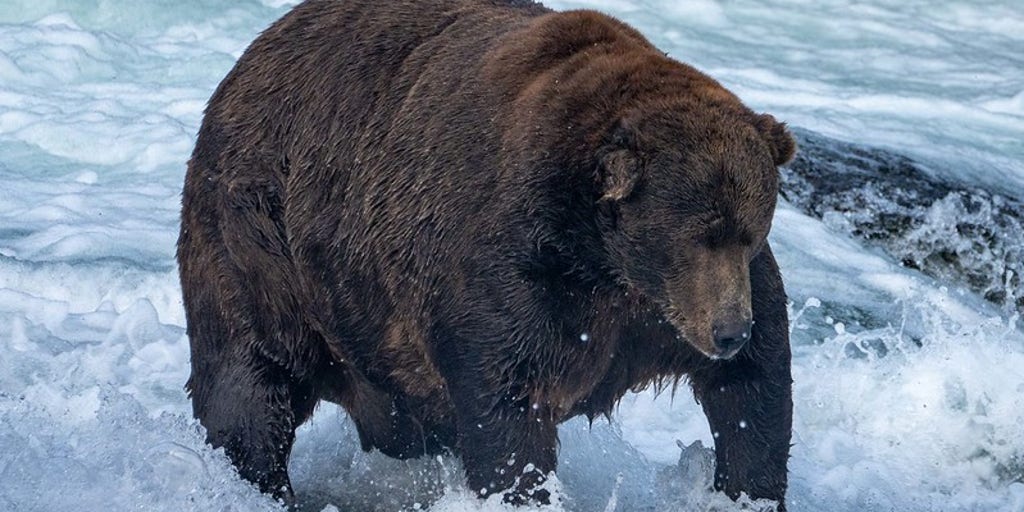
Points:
x=689, y=196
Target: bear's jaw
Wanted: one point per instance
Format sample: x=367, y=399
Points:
x=689, y=335
x=701, y=340
x=724, y=355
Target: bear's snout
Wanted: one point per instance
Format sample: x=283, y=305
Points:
x=730, y=337
x=711, y=308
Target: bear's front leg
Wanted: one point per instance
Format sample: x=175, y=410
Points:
x=751, y=423
x=506, y=443
x=748, y=399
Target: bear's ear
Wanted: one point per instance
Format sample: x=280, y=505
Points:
x=778, y=138
x=619, y=174
x=619, y=168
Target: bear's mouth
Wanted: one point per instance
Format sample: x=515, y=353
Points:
x=723, y=355
x=699, y=341
x=703, y=340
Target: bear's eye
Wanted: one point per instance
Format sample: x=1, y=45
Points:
x=717, y=232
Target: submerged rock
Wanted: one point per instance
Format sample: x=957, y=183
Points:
x=951, y=231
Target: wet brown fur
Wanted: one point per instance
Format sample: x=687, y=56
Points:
x=416, y=208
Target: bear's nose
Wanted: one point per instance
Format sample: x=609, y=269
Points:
x=730, y=337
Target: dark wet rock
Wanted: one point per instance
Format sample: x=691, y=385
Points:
x=951, y=231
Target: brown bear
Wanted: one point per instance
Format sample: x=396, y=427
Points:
x=467, y=221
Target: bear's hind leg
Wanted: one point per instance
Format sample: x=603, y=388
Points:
x=254, y=360
x=251, y=408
